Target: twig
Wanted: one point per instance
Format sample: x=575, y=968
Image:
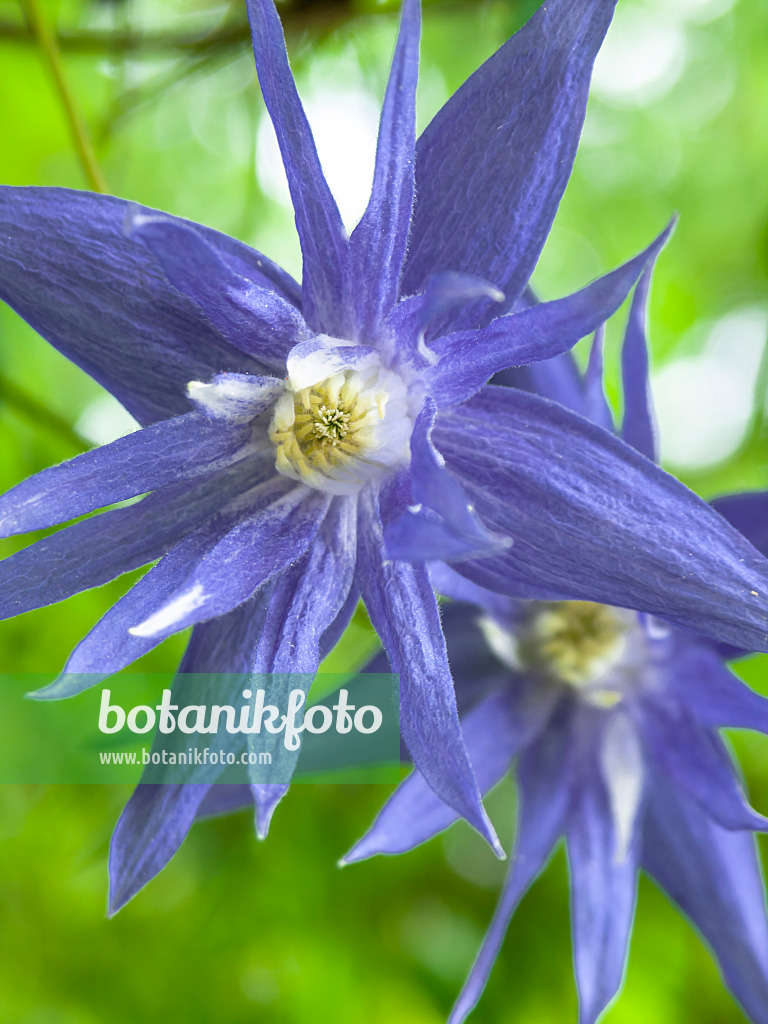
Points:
x=138, y=44
x=39, y=414
x=48, y=44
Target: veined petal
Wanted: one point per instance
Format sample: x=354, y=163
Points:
x=492, y=166
x=494, y=732
x=450, y=583
x=324, y=243
x=595, y=407
x=403, y=610
x=467, y=359
x=377, y=245
x=334, y=631
x=545, y=778
x=100, y=297
x=714, y=876
x=713, y=694
x=164, y=453
x=749, y=514
x=96, y=550
x=637, y=428
x=258, y=321
x=258, y=542
x=603, y=895
x=557, y=379
x=235, y=398
x=593, y=520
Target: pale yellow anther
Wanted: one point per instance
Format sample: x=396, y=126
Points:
x=574, y=642
x=341, y=431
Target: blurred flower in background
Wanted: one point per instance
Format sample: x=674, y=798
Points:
x=612, y=717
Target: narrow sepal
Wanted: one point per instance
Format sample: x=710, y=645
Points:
x=324, y=243
x=378, y=243
x=637, y=427
x=167, y=452
x=467, y=359
x=403, y=610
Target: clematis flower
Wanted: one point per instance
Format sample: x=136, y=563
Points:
x=307, y=446
x=613, y=716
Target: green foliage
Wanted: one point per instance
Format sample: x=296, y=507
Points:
x=234, y=930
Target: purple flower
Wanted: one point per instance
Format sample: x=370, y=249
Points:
x=307, y=446
x=613, y=716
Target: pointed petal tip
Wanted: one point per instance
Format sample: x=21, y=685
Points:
x=362, y=850
x=485, y=827
x=116, y=900
x=263, y=813
x=48, y=692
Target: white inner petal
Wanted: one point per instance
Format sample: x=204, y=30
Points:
x=621, y=764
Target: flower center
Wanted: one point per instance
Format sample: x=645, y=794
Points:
x=573, y=642
x=592, y=648
x=344, y=430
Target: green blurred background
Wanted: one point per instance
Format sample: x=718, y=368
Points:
x=235, y=930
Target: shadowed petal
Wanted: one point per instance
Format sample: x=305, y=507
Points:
x=494, y=732
x=454, y=529
x=403, y=610
x=523, y=111
x=714, y=875
x=545, y=778
x=100, y=297
x=696, y=761
x=324, y=243
x=309, y=595
x=224, y=798
x=749, y=514
x=637, y=428
x=592, y=519
x=713, y=694
x=450, y=583
x=377, y=245
x=258, y=321
x=596, y=407
x=467, y=359
x=410, y=319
